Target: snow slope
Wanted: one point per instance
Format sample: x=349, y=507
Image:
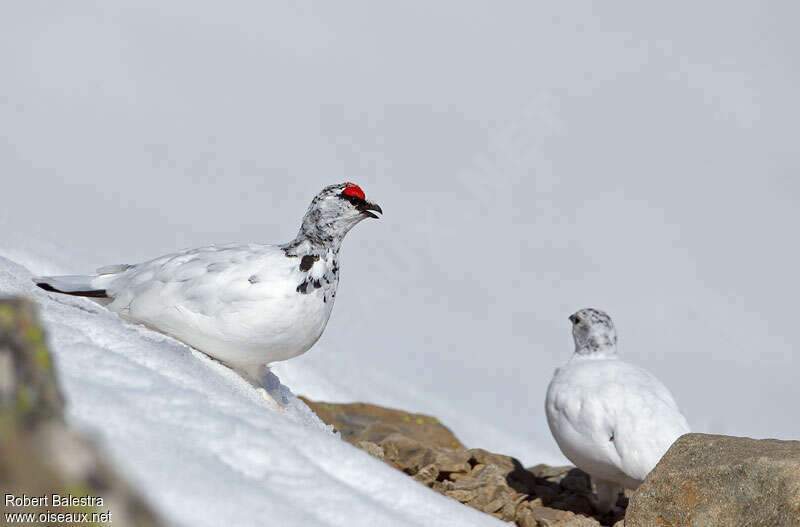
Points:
x=202, y=445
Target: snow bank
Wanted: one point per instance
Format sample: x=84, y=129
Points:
x=202, y=445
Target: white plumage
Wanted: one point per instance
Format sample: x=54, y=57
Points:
x=245, y=305
x=612, y=419
x=237, y=303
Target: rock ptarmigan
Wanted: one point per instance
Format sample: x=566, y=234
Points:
x=244, y=305
x=612, y=419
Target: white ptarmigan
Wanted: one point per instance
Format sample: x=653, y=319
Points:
x=245, y=305
x=612, y=419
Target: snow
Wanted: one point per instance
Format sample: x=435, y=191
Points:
x=201, y=443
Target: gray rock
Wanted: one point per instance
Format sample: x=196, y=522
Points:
x=40, y=455
x=28, y=385
x=721, y=481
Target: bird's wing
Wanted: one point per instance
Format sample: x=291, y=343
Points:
x=648, y=421
x=205, y=281
x=582, y=421
x=613, y=416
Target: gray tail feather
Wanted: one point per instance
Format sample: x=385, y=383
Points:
x=70, y=285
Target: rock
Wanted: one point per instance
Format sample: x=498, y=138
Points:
x=28, y=385
x=498, y=485
x=546, y=517
x=721, y=481
x=486, y=489
x=39, y=454
x=554, y=474
x=576, y=480
x=352, y=419
x=371, y=448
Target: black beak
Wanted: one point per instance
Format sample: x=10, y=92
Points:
x=366, y=207
x=574, y=319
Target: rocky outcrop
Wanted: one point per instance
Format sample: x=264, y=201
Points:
x=40, y=455
x=499, y=485
x=352, y=419
x=721, y=481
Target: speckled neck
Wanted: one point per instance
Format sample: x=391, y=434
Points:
x=598, y=346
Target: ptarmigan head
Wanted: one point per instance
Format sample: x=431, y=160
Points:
x=336, y=210
x=594, y=332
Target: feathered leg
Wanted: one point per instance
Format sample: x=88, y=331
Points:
x=607, y=494
x=268, y=385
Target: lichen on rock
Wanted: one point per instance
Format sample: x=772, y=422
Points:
x=722, y=481
x=40, y=454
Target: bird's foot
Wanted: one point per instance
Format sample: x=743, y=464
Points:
x=605, y=502
x=272, y=400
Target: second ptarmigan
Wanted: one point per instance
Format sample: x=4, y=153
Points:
x=245, y=305
x=612, y=419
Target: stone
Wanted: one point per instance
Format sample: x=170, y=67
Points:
x=39, y=453
x=546, y=517
x=572, y=502
x=576, y=480
x=28, y=385
x=722, y=481
x=351, y=420
x=371, y=448
x=492, y=483
x=554, y=474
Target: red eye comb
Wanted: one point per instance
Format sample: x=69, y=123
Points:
x=354, y=190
